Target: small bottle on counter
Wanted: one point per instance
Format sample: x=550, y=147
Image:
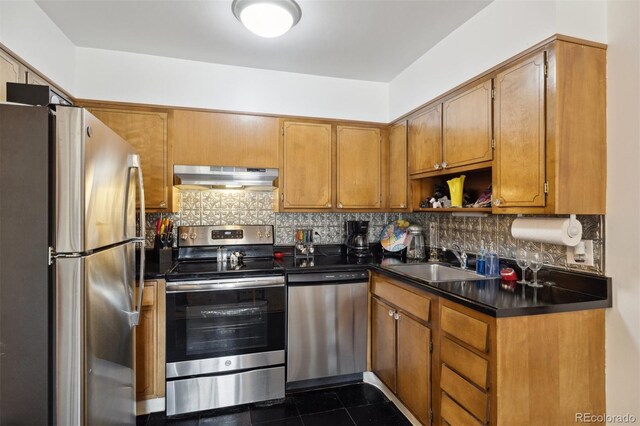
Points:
x=492, y=263
x=481, y=259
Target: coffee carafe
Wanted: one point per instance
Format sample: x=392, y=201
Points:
x=357, y=237
x=415, y=249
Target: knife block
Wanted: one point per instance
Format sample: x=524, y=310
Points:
x=162, y=254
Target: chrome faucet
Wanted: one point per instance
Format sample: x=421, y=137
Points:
x=459, y=253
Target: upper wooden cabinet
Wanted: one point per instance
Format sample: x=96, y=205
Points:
x=467, y=134
x=219, y=139
x=147, y=131
x=359, y=168
x=550, y=130
x=519, y=168
x=33, y=78
x=425, y=140
x=398, y=194
x=454, y=134
x=11, y=71
x=320, y=175
x=306, y=166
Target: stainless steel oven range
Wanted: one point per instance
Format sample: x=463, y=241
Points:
x=225, y=319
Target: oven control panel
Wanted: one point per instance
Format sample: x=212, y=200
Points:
x=227, y=234
x=221, y=235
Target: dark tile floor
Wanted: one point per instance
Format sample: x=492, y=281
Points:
x=358, y=404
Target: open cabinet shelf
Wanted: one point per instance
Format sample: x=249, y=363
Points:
x=476, y=181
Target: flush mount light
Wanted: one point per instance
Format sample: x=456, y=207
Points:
x=267, y=18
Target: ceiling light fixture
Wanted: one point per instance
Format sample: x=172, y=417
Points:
x=267, y=18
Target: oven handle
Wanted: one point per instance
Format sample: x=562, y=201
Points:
x=228, y=284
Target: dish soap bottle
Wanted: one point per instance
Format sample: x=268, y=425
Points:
x=492, y=267
x=480, y=260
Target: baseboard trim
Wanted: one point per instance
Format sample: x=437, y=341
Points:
x=150, y=406
x=372, y=379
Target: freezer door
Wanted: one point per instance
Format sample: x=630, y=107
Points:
x=95, y=183
x=94, y=345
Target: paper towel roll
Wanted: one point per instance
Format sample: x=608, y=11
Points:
x=547, y=230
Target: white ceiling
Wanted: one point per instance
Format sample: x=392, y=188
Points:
x=370, y=40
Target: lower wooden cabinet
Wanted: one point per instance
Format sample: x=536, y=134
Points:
x=401, y=348
x=150, y=343
x=524, y=370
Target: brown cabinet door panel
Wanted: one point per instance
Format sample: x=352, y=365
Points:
x=306, y=170
x=398, y=166
x=519, y=167
x=383, y=343
x=359, y=168
x=10, y=71
x=414, y=366
x=425, y=140
x=467, y=127
x=147, y=133
x=219, y=139
x=150, y=341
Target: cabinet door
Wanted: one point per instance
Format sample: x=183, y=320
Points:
x=414, y=367
x=519, y=167
x=359, y=168
x=10, y=71
x=219, y=139
x=147, y=132
x=398, y=166
x=306, y=166
x=467, y=127
x=425, y=141
x=150, y=359
x=383, y=343
x=33, y=78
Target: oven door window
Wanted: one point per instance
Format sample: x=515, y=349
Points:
x=212, y=324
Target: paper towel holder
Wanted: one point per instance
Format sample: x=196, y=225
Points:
x=575, y=227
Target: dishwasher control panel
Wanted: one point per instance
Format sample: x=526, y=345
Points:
x=328, y=277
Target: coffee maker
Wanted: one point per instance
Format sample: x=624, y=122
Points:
x=357, y=238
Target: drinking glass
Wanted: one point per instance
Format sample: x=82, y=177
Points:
x=535, y=264
x=522, y=258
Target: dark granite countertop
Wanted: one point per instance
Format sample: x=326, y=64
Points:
x=498, y=298
x=571, y=291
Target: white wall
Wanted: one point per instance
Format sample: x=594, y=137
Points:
x=29, y=33
x=498, y=32
x=131, y=77
x=623, y=207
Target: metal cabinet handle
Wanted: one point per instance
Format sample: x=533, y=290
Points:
x=497, y=202
x=436, y=166
x=402, y=206
x=444, y=164
x=339, y=205
x=396, y=317
x=328, y=205
x=390, y=313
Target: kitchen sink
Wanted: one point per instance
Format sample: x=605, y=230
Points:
x=435, y=272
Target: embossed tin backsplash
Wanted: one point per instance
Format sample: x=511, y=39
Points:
x=215, y=207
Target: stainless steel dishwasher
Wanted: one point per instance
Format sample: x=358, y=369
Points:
x=326, y=327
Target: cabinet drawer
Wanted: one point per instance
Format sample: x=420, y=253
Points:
x=453, y=414
x=469, y=330
x=468, y=396
x=406, y=300
x=465, y=362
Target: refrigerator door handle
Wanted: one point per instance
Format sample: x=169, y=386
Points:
x=134, y=162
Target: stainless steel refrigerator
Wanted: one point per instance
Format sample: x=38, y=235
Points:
x=68, y=241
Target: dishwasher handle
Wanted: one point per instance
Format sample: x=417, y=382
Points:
x=327, y=277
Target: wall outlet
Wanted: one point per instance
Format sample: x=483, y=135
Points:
x=582, y=254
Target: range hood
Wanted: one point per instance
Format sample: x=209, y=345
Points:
x=223, y=177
